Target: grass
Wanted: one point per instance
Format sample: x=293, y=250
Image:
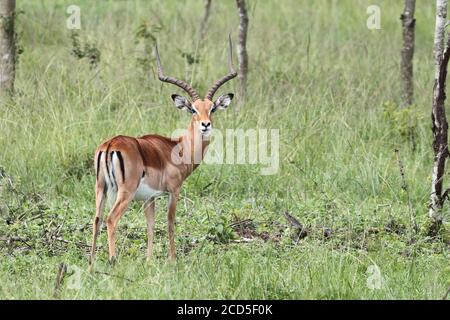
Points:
x=317, y=74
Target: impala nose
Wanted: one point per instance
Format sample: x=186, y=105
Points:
x=205, y=127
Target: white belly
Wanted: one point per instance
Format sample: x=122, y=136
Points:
x=144, y=192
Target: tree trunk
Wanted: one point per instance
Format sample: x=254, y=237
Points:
x=408, y=23
x=242, y=46
x=205, y=18
x=440, y=125
x=7, y=47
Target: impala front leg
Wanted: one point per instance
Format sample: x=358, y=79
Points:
x=173, y=198
x=149, y=210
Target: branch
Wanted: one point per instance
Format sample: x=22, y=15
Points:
x=242, y=46
x=205, y=18
x=62, y=269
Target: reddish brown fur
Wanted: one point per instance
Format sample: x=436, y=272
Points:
x=155, y=150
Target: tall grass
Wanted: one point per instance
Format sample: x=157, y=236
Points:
x=316, y=73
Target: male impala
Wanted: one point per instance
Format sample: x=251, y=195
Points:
x=143, y=168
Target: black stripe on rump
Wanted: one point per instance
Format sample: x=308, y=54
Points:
x=98, y=162
x=122, y=165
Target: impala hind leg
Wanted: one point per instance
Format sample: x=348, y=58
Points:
x=173, y=199
x=149, y=210
x=100, y=205
x=116, y=212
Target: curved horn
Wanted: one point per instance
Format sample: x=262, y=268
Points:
x=183, y=85
x=232, y=73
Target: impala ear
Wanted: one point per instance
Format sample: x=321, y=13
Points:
x=222, y=102
x=182, y=103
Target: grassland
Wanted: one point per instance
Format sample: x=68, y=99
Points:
x=316, y=73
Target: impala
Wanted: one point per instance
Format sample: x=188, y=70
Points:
x=142, y=168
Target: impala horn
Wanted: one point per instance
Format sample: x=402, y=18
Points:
x=232, y=73
x=183, y=85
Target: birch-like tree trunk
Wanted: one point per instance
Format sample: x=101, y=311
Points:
x=440, y=125
x=7, y=46
x=204, y=22
x=408, y=23
x=242, y=46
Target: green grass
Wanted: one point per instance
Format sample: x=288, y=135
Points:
x=316, y=73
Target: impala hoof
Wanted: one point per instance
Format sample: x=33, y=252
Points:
x=112, y=261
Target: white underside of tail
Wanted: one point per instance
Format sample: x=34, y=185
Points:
x=111, y=186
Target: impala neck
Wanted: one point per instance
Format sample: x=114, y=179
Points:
x=194, y=143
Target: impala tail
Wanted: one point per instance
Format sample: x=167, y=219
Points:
x=110, y=171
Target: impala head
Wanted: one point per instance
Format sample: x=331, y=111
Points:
x=201, y=109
